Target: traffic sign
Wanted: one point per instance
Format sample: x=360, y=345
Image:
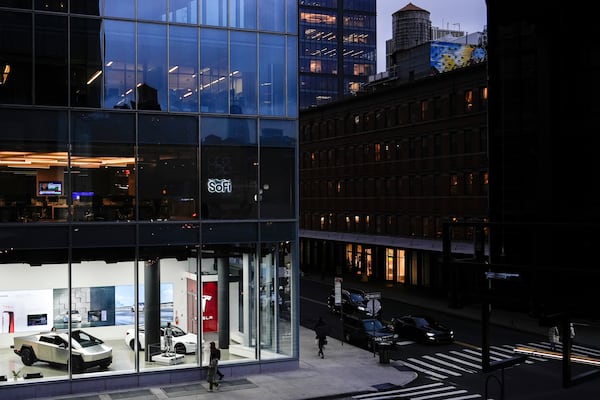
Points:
x=373, y=295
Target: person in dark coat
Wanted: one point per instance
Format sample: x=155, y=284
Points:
x=321, y=331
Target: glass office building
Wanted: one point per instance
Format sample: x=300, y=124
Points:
x=147, y=176
x=338, y=48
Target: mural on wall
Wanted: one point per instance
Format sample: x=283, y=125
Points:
x=446, y=56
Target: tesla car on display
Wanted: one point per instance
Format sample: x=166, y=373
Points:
x=353, y=301
x=422, y=329
x=87, y=351
x=75, y=317
x=183, y=342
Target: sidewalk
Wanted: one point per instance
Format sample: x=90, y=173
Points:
x=345, y=369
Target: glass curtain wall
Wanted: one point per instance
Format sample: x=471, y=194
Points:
x=140, y=188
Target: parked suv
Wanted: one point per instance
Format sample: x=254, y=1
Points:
x=367, y=332
x=354, y=301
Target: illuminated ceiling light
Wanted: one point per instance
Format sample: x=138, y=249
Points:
x=108, y=64
x=139, y=84
x=188, y=94
x=94, y=77
x=128, y=92
x=173, y=69
x=5, y=73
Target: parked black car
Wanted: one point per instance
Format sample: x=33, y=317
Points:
x=367, y=332
x=423, y=329
x=354, y=301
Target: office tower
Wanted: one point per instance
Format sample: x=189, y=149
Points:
x=148, y=164
x=337, y=54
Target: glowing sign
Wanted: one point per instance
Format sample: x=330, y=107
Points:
x=215, y=185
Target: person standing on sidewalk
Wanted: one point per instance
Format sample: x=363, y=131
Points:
x=321, y=331
x=553, y=337
x=213, y=367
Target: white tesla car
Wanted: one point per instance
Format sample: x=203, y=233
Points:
x=183, y=342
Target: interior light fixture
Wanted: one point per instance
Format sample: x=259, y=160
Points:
x=94, y=77
x=173, y=69
x=5, y=73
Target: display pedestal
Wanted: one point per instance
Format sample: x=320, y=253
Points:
x=168, y=358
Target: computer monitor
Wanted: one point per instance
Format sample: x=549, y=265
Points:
x=50, y=188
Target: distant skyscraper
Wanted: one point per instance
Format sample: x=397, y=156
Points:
x=337, y=48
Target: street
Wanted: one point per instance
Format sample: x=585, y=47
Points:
x=454, y=370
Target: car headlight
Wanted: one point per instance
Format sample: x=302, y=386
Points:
x=378, y=339
x=362, y=308
x=429, y=334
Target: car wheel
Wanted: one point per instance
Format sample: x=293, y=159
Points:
x=76, y=364
x=27, y=356
x=132, y=345
x=180, y=348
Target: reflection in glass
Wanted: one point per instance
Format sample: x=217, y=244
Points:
x=243, y=73
x=119, y=64
x=119, y=8
x=152, y=67
x=214, y=71
x=86, y=63
x=155, y=10
x=242, y=14
x=271, y=15
x=292, y=74
x=16, y=47
x=272, y=75
x=183, y=11
x=213, y=12
x=183, y=69
x=51, y=79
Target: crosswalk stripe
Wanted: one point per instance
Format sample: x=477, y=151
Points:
x=397, y=391
x=432, y=396
x=477, y=367
x=447, y=364
x=443, y=370
x=419, y=369
x=388, y=395
x=512, y=350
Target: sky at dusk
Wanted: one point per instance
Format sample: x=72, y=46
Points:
x=466, y=15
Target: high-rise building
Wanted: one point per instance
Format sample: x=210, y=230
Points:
x=338, y=46
x=147, y=175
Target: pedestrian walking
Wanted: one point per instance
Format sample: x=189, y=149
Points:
x=213, y=367
x=321, y=332
x=553, y=337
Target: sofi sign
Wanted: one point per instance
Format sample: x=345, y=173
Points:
x=216, y=185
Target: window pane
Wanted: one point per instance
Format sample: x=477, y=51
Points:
x=292, y=76
x=271, y=14
x=87, y=7
x=37, y=143
x=229, y=172
x=243, y=73
x=183, y=69
x=86, y=63
x=51, y=77
x=155, y=10
x=272, y=75
x=214, y=75
x=242, y=14
x=119, y=79
x=168, y=167
x=213, y=12
x=292, y=17
x=152, y=67
x=119, y=8
x=103, y=166
x=183, y=11
x=16, y=47
x=277, y=168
